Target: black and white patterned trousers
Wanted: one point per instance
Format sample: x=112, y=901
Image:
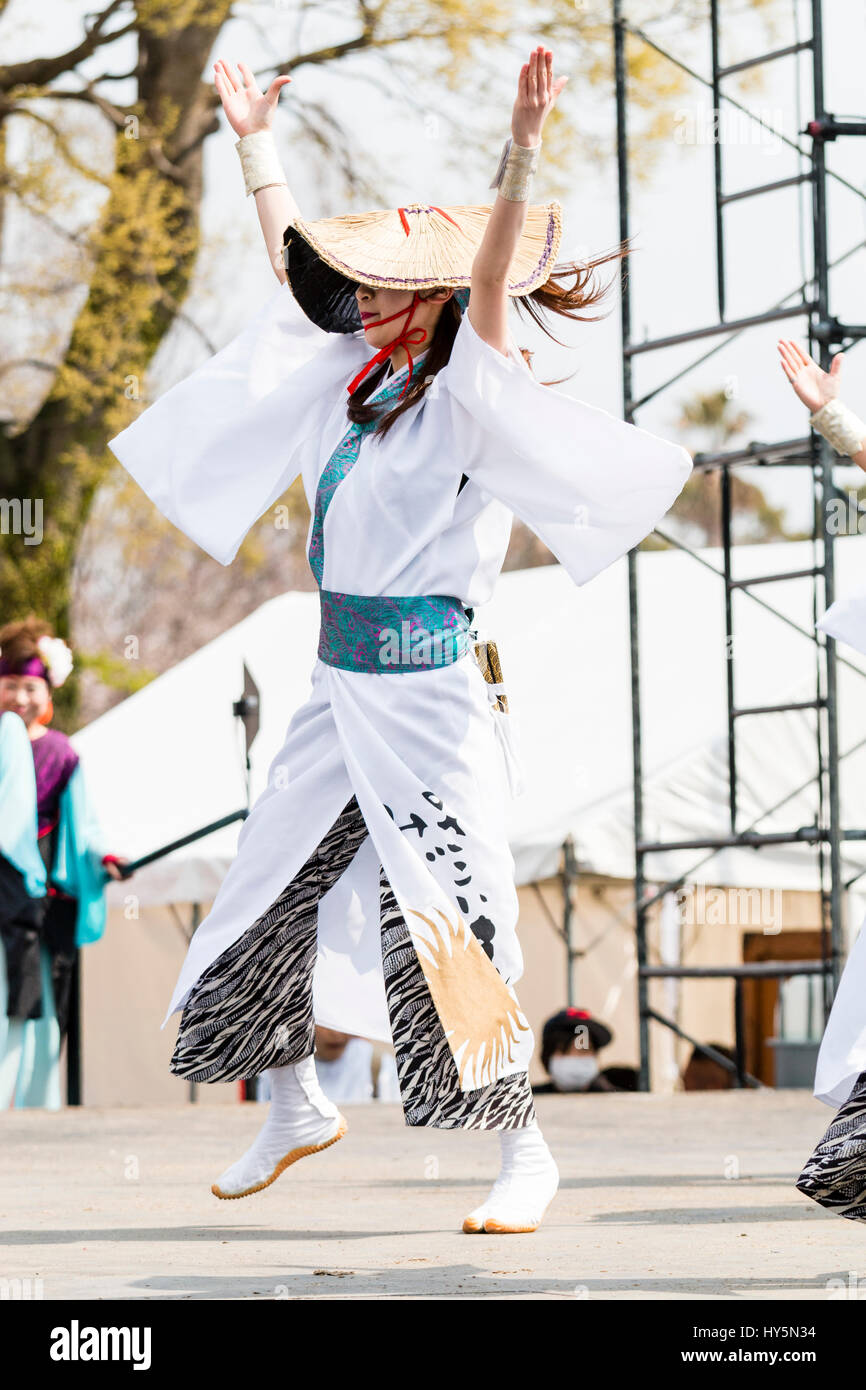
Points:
x=253, y=1006
x=835, y=1175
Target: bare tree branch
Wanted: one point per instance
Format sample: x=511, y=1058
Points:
x=11, y=187
x=14, y=362
x=72, y=159
x=118, y=116
x=38, y=71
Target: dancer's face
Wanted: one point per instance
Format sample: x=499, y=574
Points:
x=376, y=304
x=26, y=695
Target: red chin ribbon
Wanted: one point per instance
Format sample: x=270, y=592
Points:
x=405, y=338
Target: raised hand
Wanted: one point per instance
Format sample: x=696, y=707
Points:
x=813, y=385
x=537, y=90
x=247, y=108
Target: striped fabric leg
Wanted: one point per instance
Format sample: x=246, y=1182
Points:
x=429, y=1085
x=835, y=1175
x=253, y=1006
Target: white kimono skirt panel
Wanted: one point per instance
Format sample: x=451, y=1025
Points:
x=842, y=1056
x=417, y=748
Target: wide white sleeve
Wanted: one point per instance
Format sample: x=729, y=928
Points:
x=846, y=620
x=590, y=485
x=220, y=447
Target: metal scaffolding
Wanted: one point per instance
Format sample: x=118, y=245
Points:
x=812, y=453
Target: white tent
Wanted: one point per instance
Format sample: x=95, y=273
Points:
x=169, y=759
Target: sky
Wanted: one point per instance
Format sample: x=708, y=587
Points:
x=673, y=271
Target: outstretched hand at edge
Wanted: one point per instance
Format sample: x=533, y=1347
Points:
x=813, y=385
x=247, y=108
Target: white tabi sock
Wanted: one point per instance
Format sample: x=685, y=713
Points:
x=526, y=1185
x=300, y=1121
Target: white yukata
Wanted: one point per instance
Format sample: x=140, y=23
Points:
x=835, y=1174
x=842, y=1057
x=417, y=748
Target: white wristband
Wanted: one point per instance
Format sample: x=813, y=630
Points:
x=260, y=161
x=840, y=427
x=515, y=171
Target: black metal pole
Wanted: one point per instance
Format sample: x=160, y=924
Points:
x=717, y=157
x=725, y=501
x=73, y=1036
x=128, y=869
x=740, y=1032
x=821, y=296
x=194, y=921
x=569, y=874
x=621, y=75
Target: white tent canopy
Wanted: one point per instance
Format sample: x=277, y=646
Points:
x=169, y=759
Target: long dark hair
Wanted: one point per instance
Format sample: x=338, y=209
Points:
x=555, y=296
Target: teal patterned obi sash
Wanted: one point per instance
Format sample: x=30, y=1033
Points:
x=392, y=632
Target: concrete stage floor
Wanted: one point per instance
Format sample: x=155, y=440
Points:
x=662, y=1197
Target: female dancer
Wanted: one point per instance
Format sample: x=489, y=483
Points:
x=835, y=1174
x=388, y=786
x=22, y=895
x=64, y=904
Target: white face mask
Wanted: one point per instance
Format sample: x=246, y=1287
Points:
x=570, y=1073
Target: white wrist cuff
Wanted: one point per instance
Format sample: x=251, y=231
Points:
x=517, y=165
x=840, y=427
x=260, y=161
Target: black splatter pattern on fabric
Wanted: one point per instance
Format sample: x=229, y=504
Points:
x=440, y=832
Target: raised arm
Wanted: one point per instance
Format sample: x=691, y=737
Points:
x=250, y=112
x=819, y=390
x=537, y=91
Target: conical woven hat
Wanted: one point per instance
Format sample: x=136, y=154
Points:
x=408, y=248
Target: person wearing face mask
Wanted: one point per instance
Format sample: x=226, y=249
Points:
x=570, y=1043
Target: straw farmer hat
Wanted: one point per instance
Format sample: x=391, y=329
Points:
x=412, y=248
